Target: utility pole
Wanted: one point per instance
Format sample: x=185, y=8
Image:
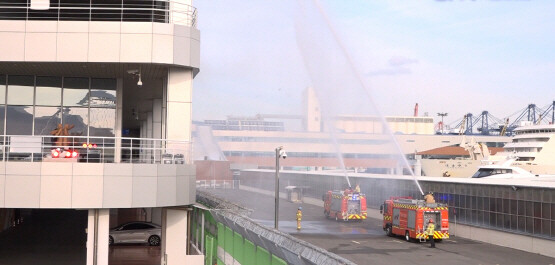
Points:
x=442, y=114
x=280, y=153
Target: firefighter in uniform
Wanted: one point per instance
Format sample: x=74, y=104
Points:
x=429, y=197
x=430, y=231
x=299, y=217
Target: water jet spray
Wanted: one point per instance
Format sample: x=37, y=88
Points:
x=305, y=52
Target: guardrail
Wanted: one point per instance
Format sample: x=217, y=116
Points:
x=218, y=184
x=162, y=11
x=94, y=149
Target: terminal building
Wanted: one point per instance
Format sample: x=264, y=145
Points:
x=365, y=145
x=95, y=116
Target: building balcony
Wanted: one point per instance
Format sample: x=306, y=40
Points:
x=160, y=32
x=94, y=172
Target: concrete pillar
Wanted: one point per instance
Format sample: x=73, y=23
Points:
x=149, y=143
x=179, y=110
x=119, y=117
x=174, y=236
x=98, y=236
x=157, y=127
x=142, y=152
x=157, y=216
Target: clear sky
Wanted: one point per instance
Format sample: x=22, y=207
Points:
x=454, y=56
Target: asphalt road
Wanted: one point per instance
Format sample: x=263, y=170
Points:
x=366, y=243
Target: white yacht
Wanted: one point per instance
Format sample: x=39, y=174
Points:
x=502, y=171
x=533, y=149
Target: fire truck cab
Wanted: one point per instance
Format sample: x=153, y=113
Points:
x=409, y=218
x=345, y=205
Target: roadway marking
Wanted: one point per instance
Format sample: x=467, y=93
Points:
x=356, y=242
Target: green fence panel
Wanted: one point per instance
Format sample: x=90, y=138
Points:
x=238, y=247
x=278, y=261
x=262, y=256
x=220, y=262
x=209, y=250
x=249, y=253
x=221, y=235
x=228, y=241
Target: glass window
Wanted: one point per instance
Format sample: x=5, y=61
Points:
x=48, y=91
x=78, y=117
x=513, y=222
x=2, y=112
x=103, y=98
x=103, y=83
x=46, y=119
x=521, y=223
x=102, y=122
x=19, y=120
x=21, y=89
x=2, y=89
x=529, y=225
x=546, y=227
x=521, y=208
x=529, y=209
x=76, y=92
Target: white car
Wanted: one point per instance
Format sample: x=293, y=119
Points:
x=136, y=232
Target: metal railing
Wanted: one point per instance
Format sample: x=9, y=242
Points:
x=218, y=184
x=94, y=149
x=161, y=11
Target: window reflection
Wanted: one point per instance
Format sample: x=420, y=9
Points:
x=20, y=89
x=19, y=120
x=2, y=113
x=103, y=98
x=77, y=117
x=76, y=91
x=46, y=119
x=76, y=97
x=102, y=122
x=48, y=91
x=2, y=90
x=103, y=83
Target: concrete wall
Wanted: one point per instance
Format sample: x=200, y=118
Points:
x=99, y=41
x=82, y=185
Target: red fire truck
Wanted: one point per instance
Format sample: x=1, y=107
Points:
x=407, y=217
x=345, y=205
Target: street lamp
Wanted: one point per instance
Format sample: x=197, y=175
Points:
x=442, y=115
x=279, y=154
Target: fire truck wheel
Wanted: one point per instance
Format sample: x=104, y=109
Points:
x=407, y=236
x=388, y=231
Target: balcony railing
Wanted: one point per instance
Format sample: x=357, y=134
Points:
x=94, y=149
x=161, y=11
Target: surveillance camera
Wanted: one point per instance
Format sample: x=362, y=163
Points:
x=283, y=154
x=133, y=72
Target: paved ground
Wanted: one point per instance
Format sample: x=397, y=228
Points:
x=57, y=237
x=366, y=243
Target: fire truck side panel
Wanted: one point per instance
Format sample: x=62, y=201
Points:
x=396, y=218
x=411, y=220
x=336, y=204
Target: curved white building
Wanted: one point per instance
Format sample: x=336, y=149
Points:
x=109, y=84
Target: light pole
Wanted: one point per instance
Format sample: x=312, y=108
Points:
x=279, y=153
x=442, y=115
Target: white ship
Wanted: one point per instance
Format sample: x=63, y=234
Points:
x=533, y=149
